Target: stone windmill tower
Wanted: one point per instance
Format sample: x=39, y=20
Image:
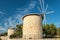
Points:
x=10, y=31
x=32, y=23
x=32, y=26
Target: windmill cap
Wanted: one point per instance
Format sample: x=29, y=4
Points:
x=33, y=14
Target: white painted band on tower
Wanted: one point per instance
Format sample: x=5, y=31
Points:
x=32, y=26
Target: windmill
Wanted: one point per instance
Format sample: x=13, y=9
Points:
x=43, y=9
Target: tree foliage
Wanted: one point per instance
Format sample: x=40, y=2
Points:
x=3, y=34
x=49, y=30
x=58, y=31
x=18, y=32
x=52, y=30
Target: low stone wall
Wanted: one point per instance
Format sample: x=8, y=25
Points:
x=38, y=39
x=6, y=38
x=15, y=39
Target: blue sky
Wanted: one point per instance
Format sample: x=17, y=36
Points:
x=12, y=11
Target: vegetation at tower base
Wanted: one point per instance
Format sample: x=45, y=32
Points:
x=18, y=32
x=3, y=34
x=0, y=39
x=58, y=32
x=49, y=30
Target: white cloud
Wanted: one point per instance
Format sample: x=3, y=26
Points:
x=2, y=13
x=12, y=21
x=19, y=18
x=2, y=29
x=27, y=9
x=57, y=24
x=32, y=4
x=6, y=24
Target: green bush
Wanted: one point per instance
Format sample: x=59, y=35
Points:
x=49, y=30
x=16, y=35
x=18, y=32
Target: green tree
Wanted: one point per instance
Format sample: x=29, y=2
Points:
x=43, y=27
x=18, y=32
x=49, y=30
x=52, y=31
x=19, y=29
x=47, y=27
x=58, y=31
x=3, y=34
